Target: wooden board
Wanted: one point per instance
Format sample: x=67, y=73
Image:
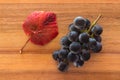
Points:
x=36, y=62
x=59, y=1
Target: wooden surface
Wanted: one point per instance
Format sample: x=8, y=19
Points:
x=36, y=62
x=59, y=1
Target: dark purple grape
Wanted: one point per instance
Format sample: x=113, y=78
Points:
x=97, y=30
x=75, y=46
x=85, y=56
x=73, y=28
x=88, y=23
x=72, y=57
x=84, y=37
x=97, y=48
x=98, y=38
x=79, y=23
x=63, y=53
x=62, y=66
x=55, y=55
x=78, y=63
x=73, y=36
x=92, y=43
x=65, y=41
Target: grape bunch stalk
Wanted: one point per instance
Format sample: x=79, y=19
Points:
x=82, y=39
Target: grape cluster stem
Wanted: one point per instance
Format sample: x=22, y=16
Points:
x=94, y=23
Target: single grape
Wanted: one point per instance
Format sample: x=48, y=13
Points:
x=62, y=66
x=88, y=23
x=97, y=48
x=92, y=42
x=72, y=57
x=97, y=29
x=55, y=55
x=79, y=23
x=73, y=28
x=84, y=37
x=85, y=56
x=75, y=46
x=73, y=36
x=98, y=38
x=63, y=53
x=78, y=63
x=65, y=41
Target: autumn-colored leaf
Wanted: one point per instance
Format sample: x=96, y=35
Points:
x=41, y=27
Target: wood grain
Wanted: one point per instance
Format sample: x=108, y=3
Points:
x=37, y=64
x=59, y=1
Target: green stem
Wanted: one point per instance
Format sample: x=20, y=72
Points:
x=92, y=35
x=94, y=23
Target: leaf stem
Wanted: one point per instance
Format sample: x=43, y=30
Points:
x=21, y=50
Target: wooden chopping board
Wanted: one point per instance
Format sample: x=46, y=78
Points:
x=36, y=62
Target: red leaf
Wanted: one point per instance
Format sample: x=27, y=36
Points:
x=41, y=27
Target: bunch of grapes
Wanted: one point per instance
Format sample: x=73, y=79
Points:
x=83, y=38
